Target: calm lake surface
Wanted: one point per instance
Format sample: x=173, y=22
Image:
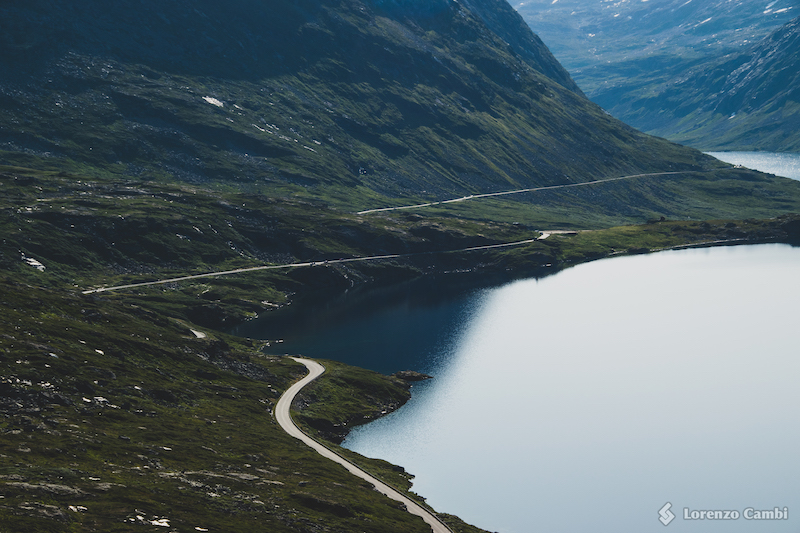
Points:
x=587, y=400
x=780, y=164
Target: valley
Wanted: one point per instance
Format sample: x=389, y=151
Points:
x=712, y=75
x=171, y=172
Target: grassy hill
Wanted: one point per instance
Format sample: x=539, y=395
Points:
x=353, y=102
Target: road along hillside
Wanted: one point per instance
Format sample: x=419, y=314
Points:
x=284, y=418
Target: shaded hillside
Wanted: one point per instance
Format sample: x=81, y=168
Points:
x=176, y=138
x=396, y=98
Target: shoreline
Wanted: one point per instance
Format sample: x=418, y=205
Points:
x=283, y=417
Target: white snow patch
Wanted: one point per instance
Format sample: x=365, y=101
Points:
x=198, y=334
x=213, y=101
x=33, y=262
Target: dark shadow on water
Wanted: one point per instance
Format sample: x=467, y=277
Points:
x=387, y=328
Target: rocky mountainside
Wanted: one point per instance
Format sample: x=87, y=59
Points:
x=593, y=34
x=400, y=98
x=748, y=100
x=681, y=69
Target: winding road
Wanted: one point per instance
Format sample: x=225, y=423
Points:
x=284, y=418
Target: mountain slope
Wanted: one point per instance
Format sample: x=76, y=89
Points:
x=681, y=69
x=408, y=99
x=749, y=101
x=587, y=35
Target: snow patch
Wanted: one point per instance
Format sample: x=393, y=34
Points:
x=33, y=262
x=213, y=101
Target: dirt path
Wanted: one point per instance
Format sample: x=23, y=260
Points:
x=520, y=191
x=299, y=265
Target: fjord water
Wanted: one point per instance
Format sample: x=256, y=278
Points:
x=587, y=400
x=781, y=164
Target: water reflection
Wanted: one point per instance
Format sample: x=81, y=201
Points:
x=406, y=326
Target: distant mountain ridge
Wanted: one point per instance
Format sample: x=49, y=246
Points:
x=748, y=100
x=401, y=97
x=593, y=33
x=680, y=69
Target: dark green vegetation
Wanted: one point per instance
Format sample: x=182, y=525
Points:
x=149, y=140
x=714, y=75
x=159, y=425
x=331, y=411
x=352, y=102
x=113, y=409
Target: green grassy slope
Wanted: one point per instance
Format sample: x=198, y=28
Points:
x=348, y=101
x=116, y=414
